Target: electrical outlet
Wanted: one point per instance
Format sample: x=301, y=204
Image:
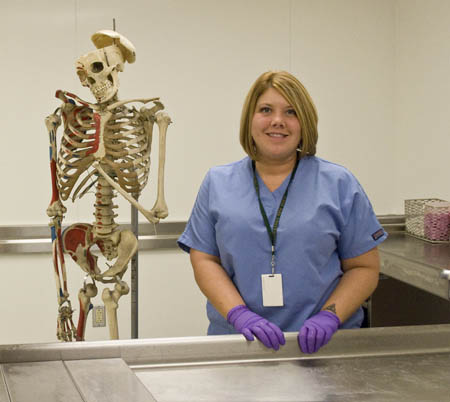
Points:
x=98, y=316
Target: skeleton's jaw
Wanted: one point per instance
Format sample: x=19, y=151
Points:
x=104, y=91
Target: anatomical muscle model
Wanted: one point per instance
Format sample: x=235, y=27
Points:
x=105, y=146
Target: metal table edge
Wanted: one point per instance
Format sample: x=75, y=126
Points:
x=223, y=348
x=385, y=254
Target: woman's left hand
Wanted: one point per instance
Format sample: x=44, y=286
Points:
x=317, y=331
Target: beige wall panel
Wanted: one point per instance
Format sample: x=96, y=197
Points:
x=421, y=103
x=170, y=303
x=344, y=53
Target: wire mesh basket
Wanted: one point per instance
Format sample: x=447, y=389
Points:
x=428, y=219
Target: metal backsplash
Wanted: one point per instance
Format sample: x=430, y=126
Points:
x=36, y=238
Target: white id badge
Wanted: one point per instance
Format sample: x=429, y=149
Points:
x=272, y=290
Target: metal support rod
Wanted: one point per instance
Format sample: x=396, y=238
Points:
x=134, y=276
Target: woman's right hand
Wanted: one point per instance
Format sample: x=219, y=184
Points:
x=251, y=324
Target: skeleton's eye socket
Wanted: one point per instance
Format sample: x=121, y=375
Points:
x=96, y=67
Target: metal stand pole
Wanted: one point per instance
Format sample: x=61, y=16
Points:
x=134, y=277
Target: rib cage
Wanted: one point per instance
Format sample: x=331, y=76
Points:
x=127, y=149
x=76, y=142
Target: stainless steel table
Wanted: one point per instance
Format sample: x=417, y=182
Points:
x=417, y=262
x=373, y=364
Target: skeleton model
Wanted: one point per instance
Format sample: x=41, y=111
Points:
x=106, y=145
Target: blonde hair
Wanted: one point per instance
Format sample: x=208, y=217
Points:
x=297, y=96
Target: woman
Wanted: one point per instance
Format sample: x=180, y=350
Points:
x=282, y=240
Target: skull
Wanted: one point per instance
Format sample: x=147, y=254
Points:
x=99, y=70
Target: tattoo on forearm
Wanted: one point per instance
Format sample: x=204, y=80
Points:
x=331, y=307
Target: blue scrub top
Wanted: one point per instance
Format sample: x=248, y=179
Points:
x=327, y=217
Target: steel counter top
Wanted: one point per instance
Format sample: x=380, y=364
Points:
x=374, y=364
x=416, y=262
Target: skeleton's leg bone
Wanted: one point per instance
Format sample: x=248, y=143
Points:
x=84, y=296
x=77, y=240
x=148, y=214
x=160, y=209
x=126, y=248
x=111, y=299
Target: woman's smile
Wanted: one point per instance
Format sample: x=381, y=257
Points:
x=277, y=135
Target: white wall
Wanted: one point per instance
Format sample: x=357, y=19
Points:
x=422, y=106
x=170, y=303
x=377, y=70
x=344, y=51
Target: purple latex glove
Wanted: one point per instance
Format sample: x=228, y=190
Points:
x=317, y=331
x=248, y=324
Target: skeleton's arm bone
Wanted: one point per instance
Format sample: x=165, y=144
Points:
x=160, y=209
x=53, y=121
x=148, y=214
x=56, y=208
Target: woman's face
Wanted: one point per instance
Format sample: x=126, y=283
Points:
x=275, y=128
